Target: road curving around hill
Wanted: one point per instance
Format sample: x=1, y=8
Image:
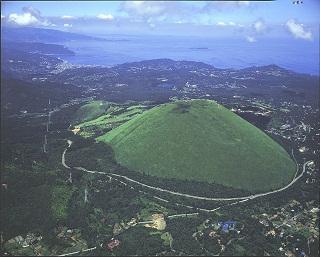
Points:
x=113, y=175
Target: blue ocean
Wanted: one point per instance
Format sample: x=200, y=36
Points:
x=293, y=54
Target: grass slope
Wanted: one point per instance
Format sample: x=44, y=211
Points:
x=203, y=141
x=114, y=116
x=90, y=111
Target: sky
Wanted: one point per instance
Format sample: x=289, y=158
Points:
x=252, y=20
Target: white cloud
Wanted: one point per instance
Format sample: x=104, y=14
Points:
x=107, y=17
x=30, y=16
x=259, y=26
x=67, y=25
x=68, y=17
x=230, y=24
x=152, y=25
x=180, y=22
x=221, y=23
x=144, y=8
x=23, y=19
x=251, y=39
x=2, y=16
x=221, y=5
x=159, y=11
x=298, y=30
x=243, y=3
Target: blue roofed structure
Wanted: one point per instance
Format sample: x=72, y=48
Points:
x=226, y=226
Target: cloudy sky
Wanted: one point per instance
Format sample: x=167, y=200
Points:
x=251, y=20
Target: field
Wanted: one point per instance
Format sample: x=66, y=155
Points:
x=60, y=199
x=98, y=117
x=203, y=141
x=90, y=111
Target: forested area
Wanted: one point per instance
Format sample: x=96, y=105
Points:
x=33, y=182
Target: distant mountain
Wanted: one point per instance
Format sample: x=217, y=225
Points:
x=28, y=34
x=155, y=79
x=39, y=48
x=165, y=64
x=271, y=67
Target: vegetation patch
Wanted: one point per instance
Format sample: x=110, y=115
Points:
x=60, y=197
x=167, y=238
x=182, y=107
x=138, y=241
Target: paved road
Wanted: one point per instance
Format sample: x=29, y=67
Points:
x=297, y=165
x=63, y=158
x=183, y=215
x=182, y=194
x=77, y=252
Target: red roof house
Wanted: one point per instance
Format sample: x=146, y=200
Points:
x=112, y=244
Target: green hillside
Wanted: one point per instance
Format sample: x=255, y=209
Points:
x=201, y=140
x=114, y=116
x=90, y=111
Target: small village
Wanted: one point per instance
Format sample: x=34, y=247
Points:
x=288, y=223
x=216, y=235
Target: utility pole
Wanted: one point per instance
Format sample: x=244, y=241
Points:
x=49, y=116
x=70, y=177
x=45, y=144
x=47, y=129
x=309, y=245
x=2, y=241
x=86, y=195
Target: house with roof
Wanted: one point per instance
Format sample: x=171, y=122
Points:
x=112, y=244
x=227, y=226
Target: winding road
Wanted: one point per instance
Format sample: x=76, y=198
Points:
x=244, y=198
x=236, y=199
x=77, y=252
